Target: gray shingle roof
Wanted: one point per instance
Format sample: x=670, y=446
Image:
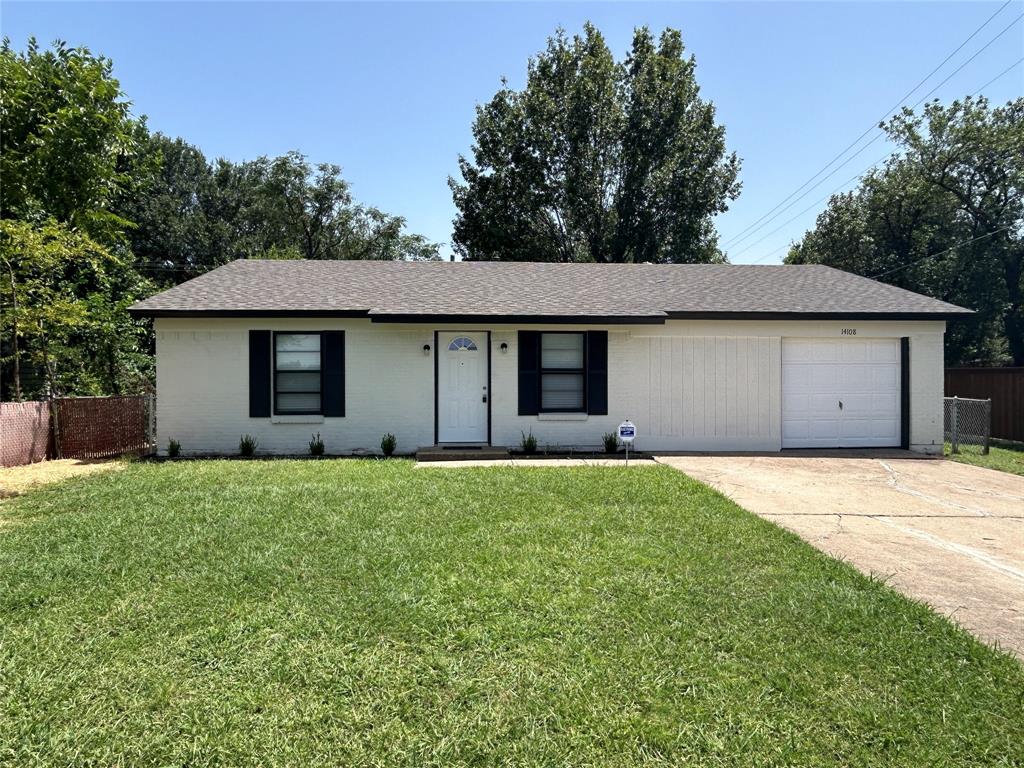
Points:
x=397, y=291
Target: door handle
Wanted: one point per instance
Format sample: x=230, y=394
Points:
x=483, y=399
x=840, y=405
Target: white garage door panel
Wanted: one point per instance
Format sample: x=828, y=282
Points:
x=818, y=375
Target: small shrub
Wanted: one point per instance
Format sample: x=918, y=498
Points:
x=388, y=443
x=173, y=448
x=247, y=445
x=529, y=443
x=316, y=445
x=611, y=442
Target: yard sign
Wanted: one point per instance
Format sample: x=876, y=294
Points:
x=627, y=434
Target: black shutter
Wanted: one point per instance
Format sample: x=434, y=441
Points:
x=333, y=344
x=529, y=373
x=259, y=374
x=597, y=373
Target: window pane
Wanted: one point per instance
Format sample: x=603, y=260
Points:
x=561, y=391
x=290, y=403
x=561, y=350
x=298, y=361
x=298, y=382
x=298, y=342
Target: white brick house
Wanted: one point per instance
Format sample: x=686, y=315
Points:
x=700, y=357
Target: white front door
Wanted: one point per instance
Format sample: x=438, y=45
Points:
x=462, y=387
x=840, y=393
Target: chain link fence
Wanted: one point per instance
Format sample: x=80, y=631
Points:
x=968, y=424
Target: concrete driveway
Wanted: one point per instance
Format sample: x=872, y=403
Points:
x=949, y=534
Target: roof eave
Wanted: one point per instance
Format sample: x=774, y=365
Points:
x=713, y=315
x=577, y=319
x=158, y=312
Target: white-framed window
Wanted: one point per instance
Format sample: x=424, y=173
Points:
x=298, y=374
x=563, y=372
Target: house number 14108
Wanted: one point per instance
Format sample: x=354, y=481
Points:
x=848, y=332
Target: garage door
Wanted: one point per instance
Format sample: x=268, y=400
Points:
x=840, y=393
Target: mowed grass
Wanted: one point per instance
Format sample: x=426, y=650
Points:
x=367, y=613
x=1003, y=455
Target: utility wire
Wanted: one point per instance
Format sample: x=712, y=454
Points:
x=876, y=138
x=986, y=85
x=977, y=53
x=940, y=253
x=743, y=233
x=812, y=205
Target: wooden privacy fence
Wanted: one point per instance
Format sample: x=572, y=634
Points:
x=1003, y=386
x=76, y=428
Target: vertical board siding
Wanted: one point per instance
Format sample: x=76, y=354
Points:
x=713, y=386
x=1004, y=386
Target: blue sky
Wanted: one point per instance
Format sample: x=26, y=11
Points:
x=388, y=90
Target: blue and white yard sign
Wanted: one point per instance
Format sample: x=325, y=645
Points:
x=627, y=431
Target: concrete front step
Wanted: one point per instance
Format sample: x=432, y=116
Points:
x=461, y=453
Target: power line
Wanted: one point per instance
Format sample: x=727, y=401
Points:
x=812, y=205
x=940, y=253
x=879, y=135
x=986, y=85
x=977, y=53
x=743, y=233
x=876, y=138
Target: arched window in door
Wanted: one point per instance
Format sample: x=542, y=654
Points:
x=462, y=344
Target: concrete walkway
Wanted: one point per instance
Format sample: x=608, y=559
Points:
x=949, y=534
x=516, y=462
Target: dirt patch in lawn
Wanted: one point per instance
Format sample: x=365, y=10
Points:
x=15, y=481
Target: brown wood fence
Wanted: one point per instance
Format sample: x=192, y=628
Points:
x=75, y=428
x=1003, y=386
x=25, y=434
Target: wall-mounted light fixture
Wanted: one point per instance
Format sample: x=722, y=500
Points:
x=426, y=349
x=504, y=347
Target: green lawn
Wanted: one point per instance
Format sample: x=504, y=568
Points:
x=1003, y=455
x=366, y=613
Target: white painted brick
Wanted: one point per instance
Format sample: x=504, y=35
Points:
x=728, y=400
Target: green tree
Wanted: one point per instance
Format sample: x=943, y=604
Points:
x=943, y=217
x=66, y=295
x=68, y=142
x=177, y=231
x=67, y=137
x=190, y=216
x=597, y=160
x=295, y=207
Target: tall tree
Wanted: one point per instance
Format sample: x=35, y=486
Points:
x=190, y=216
x=66, y=296
x=68, y=137
x=597, y=160
x=943, y=217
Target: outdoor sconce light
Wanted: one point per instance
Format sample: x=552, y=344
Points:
x=504, y=347
x=426, y=349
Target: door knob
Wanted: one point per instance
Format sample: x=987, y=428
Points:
x=840, y=405
x=483, y=399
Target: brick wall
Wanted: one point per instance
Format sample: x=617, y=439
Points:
x=24, y=433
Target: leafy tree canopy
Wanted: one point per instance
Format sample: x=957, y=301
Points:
x=191, y=215
x=66, y=297
x=67, y=136
x=597, y=160
x=944, y=217
x=96, y=213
